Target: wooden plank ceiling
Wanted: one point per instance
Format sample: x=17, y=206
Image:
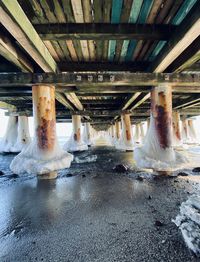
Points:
x=101, y=53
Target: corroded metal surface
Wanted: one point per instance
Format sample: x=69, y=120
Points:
x=117, y=130
x=44, y=116
x=176, y=125
x=76, y=122
x=161, y=109
x=127, y=126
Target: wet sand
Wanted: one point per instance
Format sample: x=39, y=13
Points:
x=91, y=213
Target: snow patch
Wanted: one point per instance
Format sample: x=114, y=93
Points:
x=188, y=222
x=87, y=159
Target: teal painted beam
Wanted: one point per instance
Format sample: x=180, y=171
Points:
x=183, y=11
x=143, y=9
x=181, y=14
x=144, y=12
x=157, y=50
x=129, y=45
x=115, y=19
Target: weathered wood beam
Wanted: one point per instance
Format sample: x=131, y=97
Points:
x=106, y=31
x=130, y=100
x=142, y=100
x=13, y=54
x=16, y=22
x=62, y=99
x=181, y=39
x=102, y=66
x=190, y=56
x=4, y=105
x=96, y=79
x=188, y=102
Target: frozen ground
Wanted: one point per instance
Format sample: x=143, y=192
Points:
x=91, y=213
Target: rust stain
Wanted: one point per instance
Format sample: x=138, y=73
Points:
x=46, y=134
x=77, y=135
x=128, y=135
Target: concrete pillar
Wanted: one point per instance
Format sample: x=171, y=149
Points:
x=76, y=143
x=157, y=152
x=177, y=139
x=87, y=134
x=117, y=140
x=10, y=138
x=23, y=137
x=137, y=138
x=127, y=136
x=43, y=156
x=112, y=134
x=191, y=131
x=185, y=134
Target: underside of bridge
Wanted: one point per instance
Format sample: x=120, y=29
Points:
x=111, y=65
x=97, y=37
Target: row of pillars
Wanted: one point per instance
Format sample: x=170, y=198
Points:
x=43, y=154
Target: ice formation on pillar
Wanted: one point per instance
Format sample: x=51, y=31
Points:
x=188, y=222
x=75, y=142
x=23, y=137
x=191, y=132
x=43, y=155
x=157, y=152
x=177, y=139
x=137, y=136
x=10, y=138
x=126, y=140
x=87, y=134
x=117, y=134
x=185, y=135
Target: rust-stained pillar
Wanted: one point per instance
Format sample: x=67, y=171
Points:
x=76, y=142
x=177, y=140
x=44, y=155
x=191, y=131
x=157, y=151
x=87, y=134
x=161, y=110
x=23, y=138
x=112, y=133
x=76, y=123
x=185, y=130
x=137, y=137
x=127, y=136
x=10, y=138
x=117, y=130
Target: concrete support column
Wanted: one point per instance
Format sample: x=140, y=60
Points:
x=44, y=155
x=177, y=139
x=127, y=136
x=157, y=152
x=76, y=143
x=137, y=138
x=87, y=134
x=117, y=134
x=10, y=138
x=23, y=138
x=191, y=131
x=185, y=133
x=112, y=134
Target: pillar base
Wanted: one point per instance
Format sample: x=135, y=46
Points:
x=51, y=175
x=73, y=146
x=33, y=161
x=173, y=160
